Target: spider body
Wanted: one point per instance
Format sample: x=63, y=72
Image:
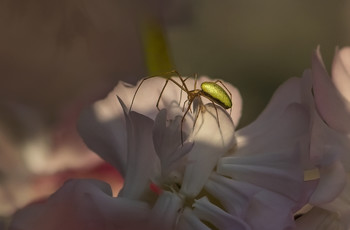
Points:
x=210, y=90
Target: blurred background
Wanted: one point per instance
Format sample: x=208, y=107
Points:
x=58, y=56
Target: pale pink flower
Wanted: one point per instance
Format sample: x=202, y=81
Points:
x=330, y=143
x=249, y=179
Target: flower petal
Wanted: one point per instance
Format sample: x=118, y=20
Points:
x=82, y=204
x=165, y=212
x=233, y=195
x=102, y=126
x=211, y=142
x=341, y=204
x=270, y=158
x=282, y=132
x=269, y=210
x=189, y=221
x=330, y=184
x=288, y=93
x=327, y=152
x=142, y=161
x=103, y=130
x=208, y=212
x=341, y=72
x=320, y=219
x=167, y=141
x=277, y=171
x=331, y=105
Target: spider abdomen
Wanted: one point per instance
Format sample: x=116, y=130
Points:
x=217, y=94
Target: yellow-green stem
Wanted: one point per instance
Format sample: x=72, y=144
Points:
x=156, y=50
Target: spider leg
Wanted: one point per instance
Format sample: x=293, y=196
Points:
x=183, y=82
x=199, y=111
x=195, y=80
x=137, y=89
x=183, y=106
x=182, y=120
x=161, y=93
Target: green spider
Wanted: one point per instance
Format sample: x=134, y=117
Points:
x=210, y=90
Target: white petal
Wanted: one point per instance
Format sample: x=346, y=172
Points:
x=142, y=161
x=167, y=141
x=102, y=126
x=189, y=221
x=82, y=204
x=165, y=212
x=148, y=94
x=211, y=142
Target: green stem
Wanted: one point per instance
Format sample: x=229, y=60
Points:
x=156, y=51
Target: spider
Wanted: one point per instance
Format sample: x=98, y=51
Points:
x=210, y=90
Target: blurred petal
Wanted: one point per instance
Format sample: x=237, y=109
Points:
x=331, y=105
x=82, y=204
x=341, y=72
x=320, y=219
x=341, y=205
x=211, y=142
x=331, y=183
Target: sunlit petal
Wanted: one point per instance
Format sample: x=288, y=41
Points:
x=213, y=137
